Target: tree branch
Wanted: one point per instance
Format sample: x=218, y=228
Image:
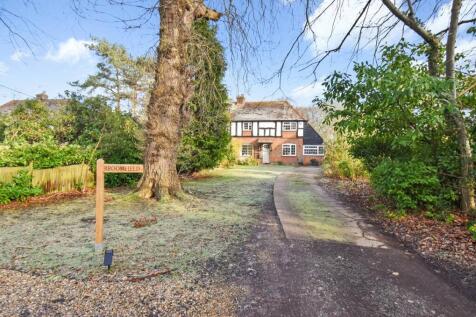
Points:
x=459, y=23
x=410, y=21
x=202, y=11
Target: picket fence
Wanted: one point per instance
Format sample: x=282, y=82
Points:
x=58, y=179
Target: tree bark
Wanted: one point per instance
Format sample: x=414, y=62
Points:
x=432, y=40
x=172, y=88
x=466, y=159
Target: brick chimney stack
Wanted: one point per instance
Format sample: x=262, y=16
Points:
x=240, y=100
x=42, y=96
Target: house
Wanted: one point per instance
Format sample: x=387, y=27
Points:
x=274, y=132
x=51, y=104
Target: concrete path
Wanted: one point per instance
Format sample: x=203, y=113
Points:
x=348, y=226
x=320, y=258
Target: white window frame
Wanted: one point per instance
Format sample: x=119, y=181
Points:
x=247, y=126
x=289, y=125
x=291, y=146
x=313, y=148
x=250, y=150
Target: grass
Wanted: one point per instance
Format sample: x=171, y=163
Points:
x=215, y=213
x=316, y=213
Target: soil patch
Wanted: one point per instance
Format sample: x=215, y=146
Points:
x=47, y=199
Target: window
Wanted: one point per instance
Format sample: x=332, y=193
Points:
x=321, y=150
x=247, y=126
x=289, y=126
x=310, y=150
x=246, y=149
x=317, y=150
x=289, y=150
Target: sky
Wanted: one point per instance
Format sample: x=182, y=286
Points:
x=56, y=32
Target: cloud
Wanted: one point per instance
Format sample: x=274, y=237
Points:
x=3, y=68
x=71, y=51
x=441, y=19
x=304, y=94
x=333, y=19
x=19, y=56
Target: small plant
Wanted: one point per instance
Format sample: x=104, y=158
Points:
x=472, y=230
x=20, y=188
x=442, y=216
x=250, y=161
x=395, y=214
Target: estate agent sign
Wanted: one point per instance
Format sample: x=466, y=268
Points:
x=102, y=168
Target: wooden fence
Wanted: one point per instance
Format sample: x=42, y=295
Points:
x=58, y=179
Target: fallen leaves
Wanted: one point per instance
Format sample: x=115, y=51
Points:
x=144, y=221
x=447, y=245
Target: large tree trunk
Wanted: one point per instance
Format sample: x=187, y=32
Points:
x=172, y=89
x=466, y=159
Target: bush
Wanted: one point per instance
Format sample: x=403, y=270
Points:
x=339, y=163
x=20, y=188
x=409, y=185
x=116, y=136
x=249, y=161
x=45, y=154
x=229, y=158
x=472, y=230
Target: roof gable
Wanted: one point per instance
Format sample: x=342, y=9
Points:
x=311, y=137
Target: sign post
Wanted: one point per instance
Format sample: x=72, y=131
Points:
x=102, y=168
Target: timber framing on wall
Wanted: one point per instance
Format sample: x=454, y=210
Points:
x=270, y=128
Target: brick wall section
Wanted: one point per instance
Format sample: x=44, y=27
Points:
x=275, y=154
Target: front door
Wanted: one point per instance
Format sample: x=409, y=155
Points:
x=265, y=153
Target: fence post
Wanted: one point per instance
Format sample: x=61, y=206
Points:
x=99, y=204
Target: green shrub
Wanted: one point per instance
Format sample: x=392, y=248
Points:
x=47, y=154
x=409, y=185
x=472, y=230
x=339, y=163
x=20, y=188
x=250, y=161
x=229, y=158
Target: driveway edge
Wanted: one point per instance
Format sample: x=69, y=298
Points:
x=293, y=225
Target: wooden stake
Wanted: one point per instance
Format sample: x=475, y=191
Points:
x=99, y=204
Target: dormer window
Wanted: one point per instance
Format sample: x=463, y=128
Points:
x=289, y=126
x=247, y=126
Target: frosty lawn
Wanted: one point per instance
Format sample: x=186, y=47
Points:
x=214, y=214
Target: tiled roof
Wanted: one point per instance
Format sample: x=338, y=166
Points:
x=265, y=110
x=311, y=136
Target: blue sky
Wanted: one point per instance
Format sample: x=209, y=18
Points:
x=57, y=35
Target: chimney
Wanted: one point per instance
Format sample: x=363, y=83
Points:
x=42, y=96
x=240, y=100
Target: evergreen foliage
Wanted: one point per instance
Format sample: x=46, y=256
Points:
x=394, y=118
x=206, y=138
